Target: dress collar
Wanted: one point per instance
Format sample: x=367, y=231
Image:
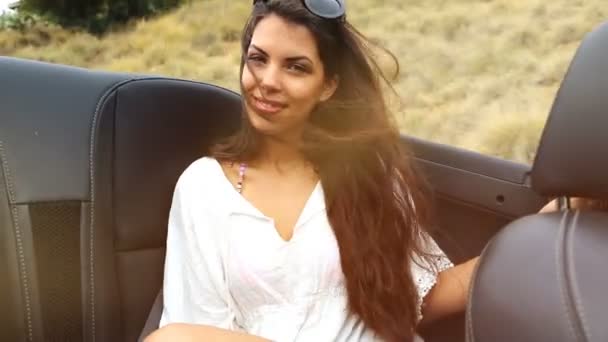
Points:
x=237, y=204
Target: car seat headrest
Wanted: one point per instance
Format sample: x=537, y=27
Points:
x=572, y=157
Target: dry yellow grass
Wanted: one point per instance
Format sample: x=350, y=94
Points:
x=479, y=74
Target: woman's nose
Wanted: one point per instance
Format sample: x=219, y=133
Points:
x=271, y=78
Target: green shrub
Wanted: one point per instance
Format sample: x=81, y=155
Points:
x=20, y=21
x=96, y=16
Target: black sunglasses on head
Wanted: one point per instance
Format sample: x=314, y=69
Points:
x=328, y=9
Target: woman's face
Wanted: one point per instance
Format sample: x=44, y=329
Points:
x=283, y=78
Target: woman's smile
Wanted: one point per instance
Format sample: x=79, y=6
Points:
x=268, y=107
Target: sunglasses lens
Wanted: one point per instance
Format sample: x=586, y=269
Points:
x=326, y=8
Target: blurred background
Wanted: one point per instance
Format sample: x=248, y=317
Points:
x=479, y=74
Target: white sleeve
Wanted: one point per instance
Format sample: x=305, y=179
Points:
x=425, y=275
x=194, y=289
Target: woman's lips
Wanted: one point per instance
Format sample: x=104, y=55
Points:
x=266, y=106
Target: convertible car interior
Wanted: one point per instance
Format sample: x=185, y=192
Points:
x=89, y=159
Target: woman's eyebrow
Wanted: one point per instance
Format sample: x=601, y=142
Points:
x=297, y=58
x=259, y=50
x=289, y=59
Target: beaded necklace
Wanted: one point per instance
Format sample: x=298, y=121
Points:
x=239, y=183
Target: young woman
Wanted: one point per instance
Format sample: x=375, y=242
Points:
x=309, y=224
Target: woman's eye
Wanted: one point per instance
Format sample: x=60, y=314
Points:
x=298, y=68
x=255, y=58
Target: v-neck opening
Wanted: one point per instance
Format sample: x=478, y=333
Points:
x=302, y=217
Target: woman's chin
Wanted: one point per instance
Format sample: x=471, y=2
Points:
x=265, y=127
x=273, y=129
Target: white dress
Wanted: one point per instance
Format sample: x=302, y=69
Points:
x=226, y=266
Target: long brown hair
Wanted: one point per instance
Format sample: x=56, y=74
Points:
x=376, y=202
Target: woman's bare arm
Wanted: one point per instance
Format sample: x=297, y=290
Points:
x=450, y=293
x=178, y=332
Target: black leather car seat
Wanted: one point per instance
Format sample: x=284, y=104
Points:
x=88, y=165
x=545, y=277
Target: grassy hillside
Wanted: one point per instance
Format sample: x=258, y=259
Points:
x=474, y=73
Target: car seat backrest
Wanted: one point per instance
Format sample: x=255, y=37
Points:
x=542, y=278
x=45, y=113
x=89, y=161
x=149, y=134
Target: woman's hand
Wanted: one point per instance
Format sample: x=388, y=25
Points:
x=577, y=203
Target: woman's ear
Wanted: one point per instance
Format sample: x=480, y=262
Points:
x=329, y=88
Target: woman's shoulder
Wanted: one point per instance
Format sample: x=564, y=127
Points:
x=203, y=176
x=200, y=171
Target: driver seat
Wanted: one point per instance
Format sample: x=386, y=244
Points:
x=543, y=277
